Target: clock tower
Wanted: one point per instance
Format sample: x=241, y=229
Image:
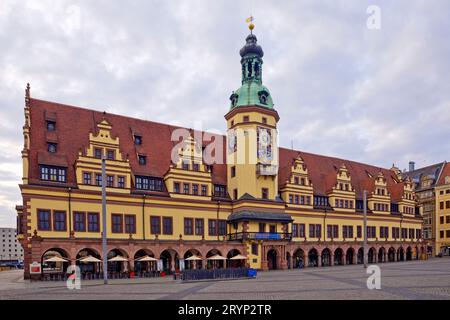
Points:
x=252, y=147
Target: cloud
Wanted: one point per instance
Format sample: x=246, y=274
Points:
x=373, y=96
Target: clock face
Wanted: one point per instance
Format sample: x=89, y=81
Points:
x=264, y=145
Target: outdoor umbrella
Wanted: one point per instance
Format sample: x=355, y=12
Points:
x=194, y=258
x=217, y=257
x=239, y=257
x=55, y=259
x=147, y=258
x=90, y=259
x=118, y=259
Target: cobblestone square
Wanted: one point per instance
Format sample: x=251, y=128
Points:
x=405, y=280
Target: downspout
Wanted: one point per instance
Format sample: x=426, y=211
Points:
x=143, y=216
x=70, y=211
x=217, y=219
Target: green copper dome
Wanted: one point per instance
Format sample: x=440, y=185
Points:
x=252, y=92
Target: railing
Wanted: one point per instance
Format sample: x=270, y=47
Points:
x=259, y=236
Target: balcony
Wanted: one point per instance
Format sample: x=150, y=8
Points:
x=272, y=236
x=266, y=170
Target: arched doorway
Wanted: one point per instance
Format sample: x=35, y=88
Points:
x=235, y=263
x=272, y=259
x=214, y=264
x=408, y=254
x=391, y=254
x=288, y=260
x=349, y=256
x=144, y=266
x=416, y=255
x=298, y=259
x=192, y=264
x=371, y=255
x=400, y=254
x=117, y=266
x=313, y=258
x=360, y=257
x=88, y=267
x=55, y=267
x=170, y=260
x=326, y=257
x=381, y=254
x=338, y=257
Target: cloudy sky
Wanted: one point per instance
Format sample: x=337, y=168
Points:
x=341, y=89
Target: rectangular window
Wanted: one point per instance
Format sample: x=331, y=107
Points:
x=301, y=230
x=51, y=147
x=188, y=226
x=441, y=220
x=142, y=160
x=212, y=227
x=447, y=204
x=411, y=233
x=233, y=171
x=418, y=234
x=176, y=187
x=51, y=125
x=59, y=221
x=195, y=167
x=117, y=223
x=55, y=174
x=291, y=198
x=246, y=119
x=199, y=227
x=204, y=190
x=98, y=153
x=195, y=189
x=312, y=230
x=130, y=224
x=93, y=222
x=447, y=233
x=265, y=193
x=87, y=178
x=185, y=165
x=447, y=219
x=359, y=231
x=222, y=227
x=167, y=225
x=186, y=188
x=79, y=221
x=254, y=249
x=155, y=225
x=110, y=181
x=441, y=233
x=404, y=233
x=318, y=231
x=111, y=155
x=262, y=227
x=44, y=220
x=345, y=232
x=98, y=179
x=296, y=199
x=235, y=194
x=121, y=182
x=294, y=230
x=220, y=191
x=137, y=140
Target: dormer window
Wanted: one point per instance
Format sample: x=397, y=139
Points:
x=142, y=160
x=110, y=155
x=98, y=153
x=263, y=96
x=52, y=147
x=234, y=99
x=137, y=140
x=246, y=119
x=51, y=125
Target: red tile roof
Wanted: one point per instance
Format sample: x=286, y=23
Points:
x=445, y=173
x=73, y=125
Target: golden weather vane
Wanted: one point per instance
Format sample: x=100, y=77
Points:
x=250, y=20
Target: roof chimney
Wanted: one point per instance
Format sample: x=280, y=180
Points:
x=411, y=166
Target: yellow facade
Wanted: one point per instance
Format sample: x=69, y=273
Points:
x=442, y=217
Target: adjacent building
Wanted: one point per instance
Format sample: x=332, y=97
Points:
x=442, y=223
x=10, y=248
x=174, y=192
x=425, y=182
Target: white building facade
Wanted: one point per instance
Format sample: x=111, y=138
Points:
x=10, y=248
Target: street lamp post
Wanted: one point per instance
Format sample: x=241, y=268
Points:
x=104, y=253
x=365, y=229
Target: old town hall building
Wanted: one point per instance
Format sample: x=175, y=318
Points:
x=272, y=205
